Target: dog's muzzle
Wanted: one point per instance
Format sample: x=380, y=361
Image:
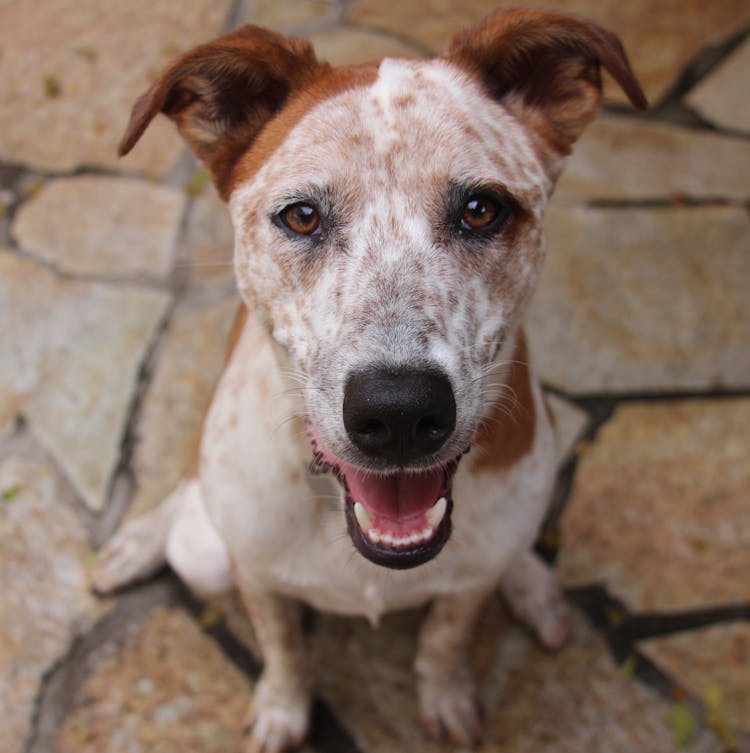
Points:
x=398, y=513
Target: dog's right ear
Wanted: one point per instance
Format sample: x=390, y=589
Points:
x=222, y=93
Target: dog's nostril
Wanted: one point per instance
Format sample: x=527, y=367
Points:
x=398, y=416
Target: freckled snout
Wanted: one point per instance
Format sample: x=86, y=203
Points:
x=398, y=416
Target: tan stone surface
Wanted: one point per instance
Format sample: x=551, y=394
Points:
x=344, y=46
x=632, y=159
x=570, y=423
x=188, y=364
x=44, y=597
x=716, y=657
x=70, y=353
x=167, y=689
x=72, y=71
x=97, y=225
x=660, y=510
x=206, y=251
x=575, y=702
x=716, y=97
x=291, y=15
x=660, y=38
x=644, y=299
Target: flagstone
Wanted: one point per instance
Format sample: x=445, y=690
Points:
x=45, y=602
x=100, y=225
x=70, y=355
x=716, y=96
x=188, y=364
x=660, y=508
x=206, y=251
x=635, y=300
x=660, y=39
x=166, y=686
x=291, y=15
x=575, y=701
x=631, y=159
x=349, y=46
x=72, y=71
x=711, y=663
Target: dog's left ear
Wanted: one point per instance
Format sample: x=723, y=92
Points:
x=221, y=94
x=545, y=68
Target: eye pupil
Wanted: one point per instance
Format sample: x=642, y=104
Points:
x=479, y=212
x=301, y=218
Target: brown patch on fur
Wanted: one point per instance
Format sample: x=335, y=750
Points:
x=545, y=68
x=508, y=432
x=222, y=93
x=240, y=318
x=332, y=82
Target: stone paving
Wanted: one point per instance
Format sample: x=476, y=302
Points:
x=116, y=298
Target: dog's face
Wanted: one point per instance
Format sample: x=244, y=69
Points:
x=391, y=242
x=388, y=227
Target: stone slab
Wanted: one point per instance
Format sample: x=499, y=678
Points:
x=206, y=250
x=575, y=702
x=99, y=225
x=716, y=96
x=635, y=300
x=709, y=660
x=291, y=16
x=70, y=354
x=349, y=46
x=167, y=687
x=188, y=363
x=630, y=159
x=660, y=509
x=72, y=71
x=45, y=601
x=570, y=424
x=660, y=39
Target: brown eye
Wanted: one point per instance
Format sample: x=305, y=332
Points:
x=301, y=218
x=479, y=213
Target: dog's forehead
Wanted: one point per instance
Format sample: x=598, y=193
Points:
x=412, y=124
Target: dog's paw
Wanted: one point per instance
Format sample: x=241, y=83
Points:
x=450, y=709
x=273, y=724
x=135, y=552
x=535, y=598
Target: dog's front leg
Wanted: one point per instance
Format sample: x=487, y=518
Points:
x=447, y=692
x=279, y=714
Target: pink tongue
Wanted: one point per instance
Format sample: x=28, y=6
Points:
x=396, y=497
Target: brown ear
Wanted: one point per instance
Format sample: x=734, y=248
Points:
x=548, y=65
x=222, y=93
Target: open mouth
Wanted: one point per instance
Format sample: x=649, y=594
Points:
x=400, y=519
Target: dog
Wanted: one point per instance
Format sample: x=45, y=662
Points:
x=378, y=439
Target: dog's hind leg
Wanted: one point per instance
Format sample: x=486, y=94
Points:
x=534, y=597
x=138, y=548
x=177, y=531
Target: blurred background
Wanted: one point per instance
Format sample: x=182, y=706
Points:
x=116, y=296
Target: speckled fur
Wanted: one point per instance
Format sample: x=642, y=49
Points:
x=388, y=285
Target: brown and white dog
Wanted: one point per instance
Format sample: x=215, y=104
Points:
x=388, y=236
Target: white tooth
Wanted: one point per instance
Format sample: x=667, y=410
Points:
x=415, y=538
x=362, y=516
x=437, y=512
x=427, y=532
x=387, y=539
x=374, y=536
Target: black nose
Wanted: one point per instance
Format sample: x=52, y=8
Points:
x=399, y=416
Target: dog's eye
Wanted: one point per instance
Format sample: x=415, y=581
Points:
x=481, y=212
x=301, y=218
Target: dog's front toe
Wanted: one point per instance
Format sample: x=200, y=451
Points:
x=450, y=711
x=274, y=725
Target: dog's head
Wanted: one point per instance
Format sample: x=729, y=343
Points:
x=388, y=223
